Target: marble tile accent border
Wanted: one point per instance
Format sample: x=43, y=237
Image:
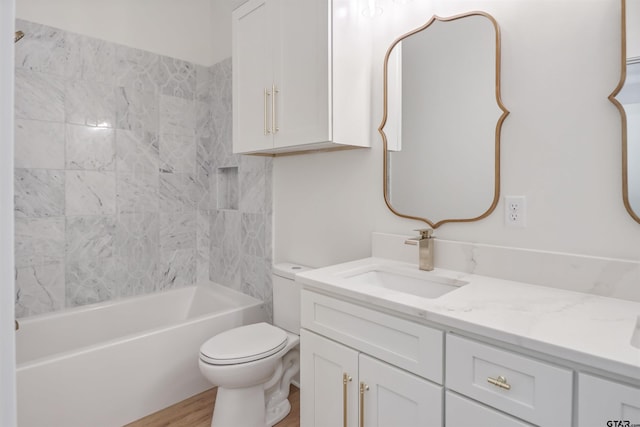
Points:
x=616, y=278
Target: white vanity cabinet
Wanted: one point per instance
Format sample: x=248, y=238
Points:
x=301, y=76
x=343, y=387
x=602, y=402
x=366, y=368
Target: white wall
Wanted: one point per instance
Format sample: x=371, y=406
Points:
x=177, y=28
x=221, y=28
x=561, y=145
x=633, y=28
x=7, y=290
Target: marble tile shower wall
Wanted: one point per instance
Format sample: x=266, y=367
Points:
x=116, y=152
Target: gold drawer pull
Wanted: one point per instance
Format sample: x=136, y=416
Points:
x=499, y=382
x=346, y=379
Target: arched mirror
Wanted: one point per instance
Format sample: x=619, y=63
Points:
x=627, y=98
x=442, y=120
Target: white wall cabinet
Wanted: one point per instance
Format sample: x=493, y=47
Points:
x=343, y=387
x=301, y=76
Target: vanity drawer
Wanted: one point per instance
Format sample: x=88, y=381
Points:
x=462, y=412
x=408, y=345
x=532, y=390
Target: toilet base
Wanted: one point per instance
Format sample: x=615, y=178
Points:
x=278, y=412
x=239, y=407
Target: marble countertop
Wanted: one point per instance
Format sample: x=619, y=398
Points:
x=600, y=332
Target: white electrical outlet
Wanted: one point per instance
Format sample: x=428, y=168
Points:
x=515, y=211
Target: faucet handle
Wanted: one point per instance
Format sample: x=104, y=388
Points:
x=425, y=233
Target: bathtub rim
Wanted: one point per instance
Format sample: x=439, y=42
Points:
x=246, y=301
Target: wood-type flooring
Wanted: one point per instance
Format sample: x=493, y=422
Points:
x=197, y=411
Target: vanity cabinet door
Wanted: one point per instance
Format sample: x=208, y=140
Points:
x=329, y=382
x=393, y=397
x=602, y=403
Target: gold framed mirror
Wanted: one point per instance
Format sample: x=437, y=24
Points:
x=442, y=119
x=626, y=97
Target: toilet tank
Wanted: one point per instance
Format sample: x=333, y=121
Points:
x=286, y=296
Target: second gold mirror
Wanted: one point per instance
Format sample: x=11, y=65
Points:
x=442, y=120
x=626, y=97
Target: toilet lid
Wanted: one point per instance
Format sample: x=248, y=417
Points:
x=243, y=344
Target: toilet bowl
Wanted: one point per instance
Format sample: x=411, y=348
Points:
x=253, y=365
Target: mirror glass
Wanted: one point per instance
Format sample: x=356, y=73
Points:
x=442, y=120
x=628, y=101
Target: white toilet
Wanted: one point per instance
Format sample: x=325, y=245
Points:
x=253, y=365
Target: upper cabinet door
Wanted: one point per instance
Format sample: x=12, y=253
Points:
x=290, y=58
x=301, y=71
x=252, y=76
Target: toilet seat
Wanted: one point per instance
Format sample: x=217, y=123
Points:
x=243, y=344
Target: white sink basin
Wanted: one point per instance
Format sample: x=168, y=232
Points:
x=422, y=284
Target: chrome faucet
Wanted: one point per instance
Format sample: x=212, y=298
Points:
x=425, y=248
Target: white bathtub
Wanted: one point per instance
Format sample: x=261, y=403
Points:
x=111, y=363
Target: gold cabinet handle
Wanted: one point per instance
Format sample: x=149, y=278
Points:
x=267, y=131
x=499, y=382
x=363, y=388
x=346, y=379
x=274, y=121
